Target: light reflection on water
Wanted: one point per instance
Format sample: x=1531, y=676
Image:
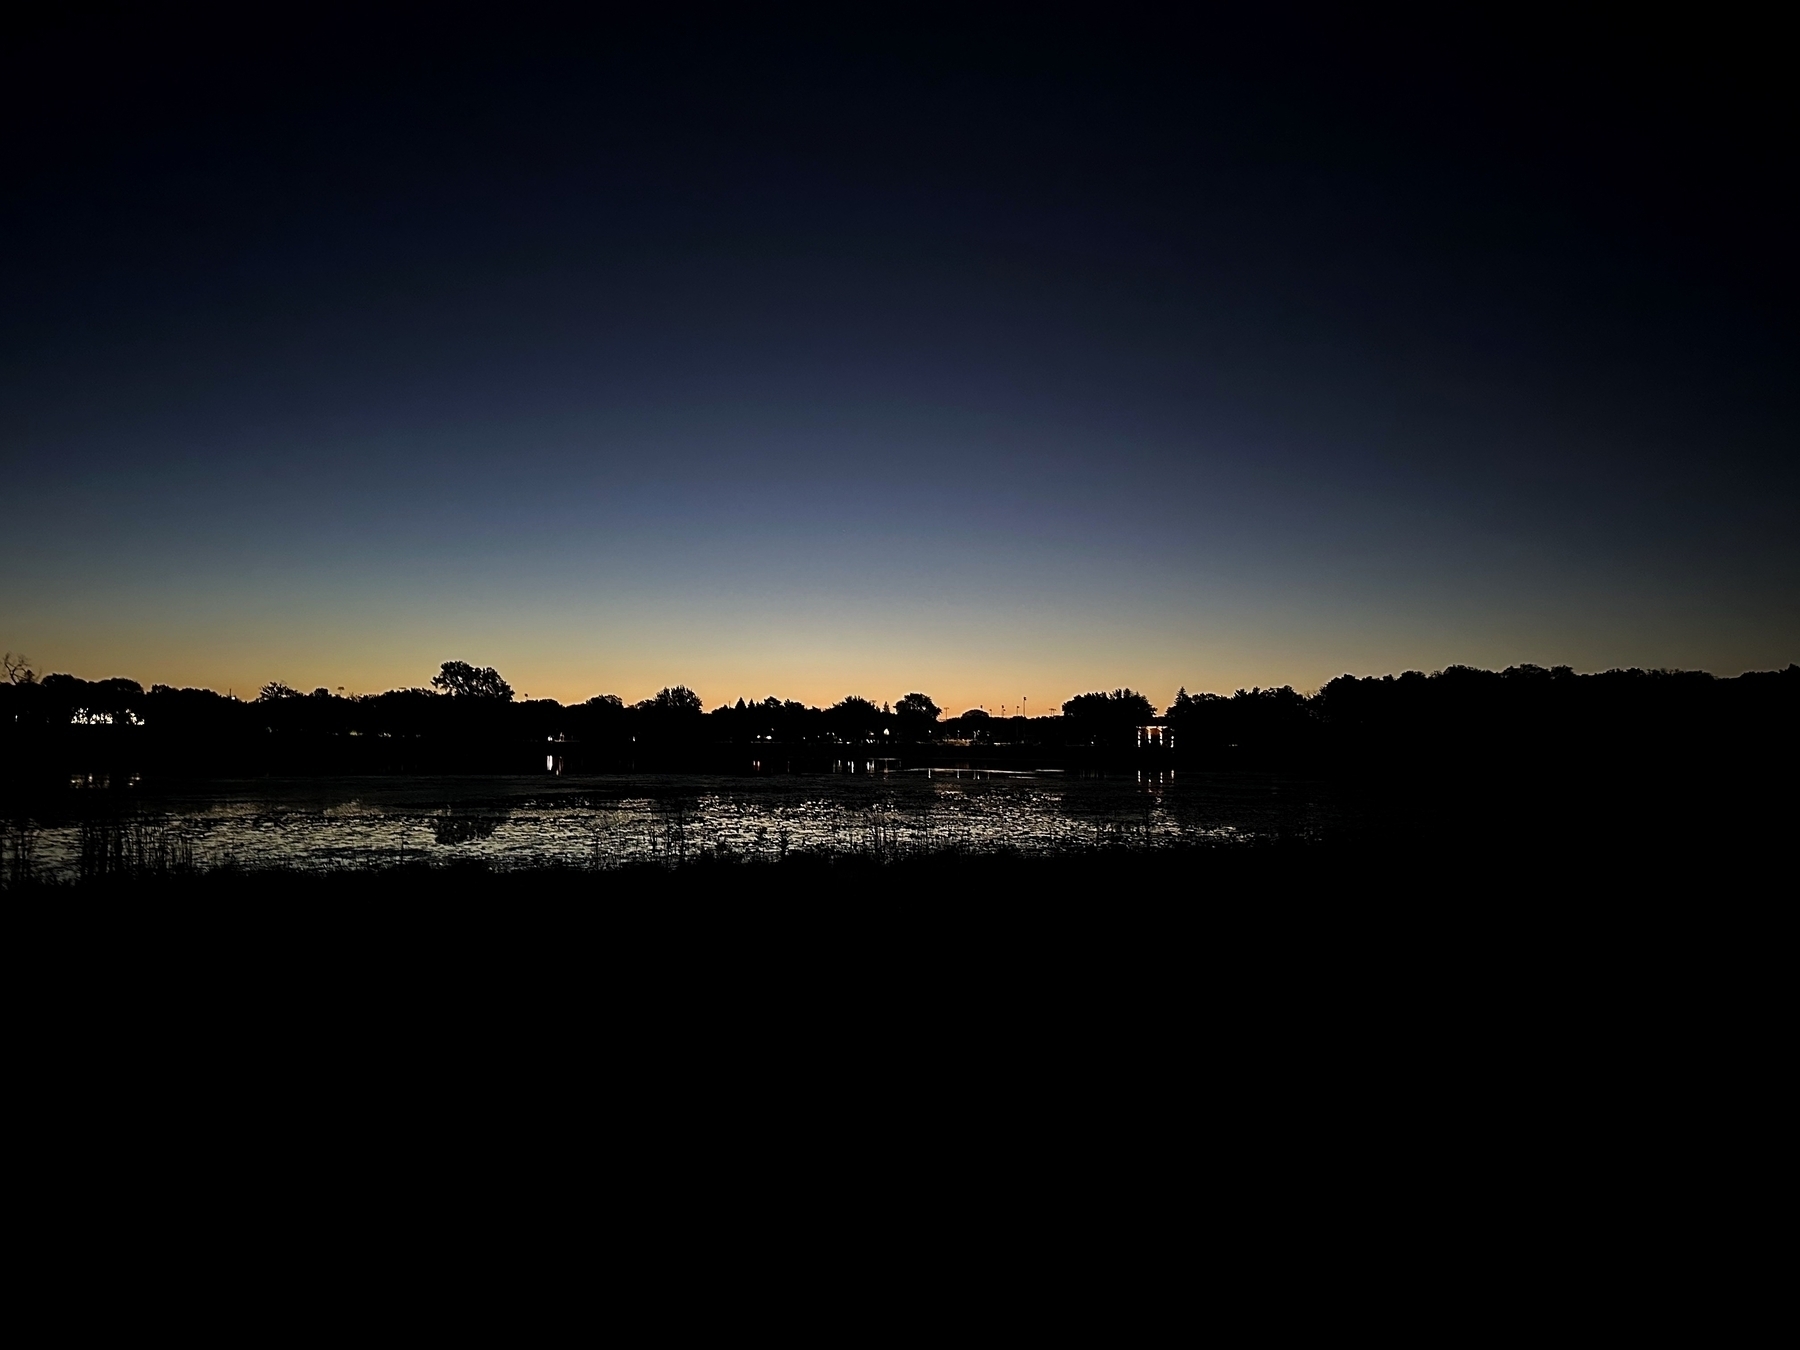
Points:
x=603, y=822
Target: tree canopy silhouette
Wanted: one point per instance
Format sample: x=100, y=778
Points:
x=462, y=680
x=1122, y=707
x=678, y=701
x=917, y=708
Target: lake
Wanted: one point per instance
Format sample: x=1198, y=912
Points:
x=605, y=821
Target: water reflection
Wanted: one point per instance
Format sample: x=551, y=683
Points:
x=604, y=822
x=449, y=829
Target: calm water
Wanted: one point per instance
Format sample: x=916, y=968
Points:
x=605, y=821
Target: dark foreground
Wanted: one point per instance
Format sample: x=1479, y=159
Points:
x=1307, y=1045
x=1283, y=938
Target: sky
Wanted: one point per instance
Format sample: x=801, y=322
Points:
x=999, y=360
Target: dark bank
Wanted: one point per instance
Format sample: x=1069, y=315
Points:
x=468, y=721
x=1528, y=772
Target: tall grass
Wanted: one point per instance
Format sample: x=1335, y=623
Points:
x=18, y=853
x=131, y=848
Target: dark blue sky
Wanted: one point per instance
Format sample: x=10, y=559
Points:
x=1005, y=360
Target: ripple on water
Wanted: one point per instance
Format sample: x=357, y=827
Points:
x=601, y=822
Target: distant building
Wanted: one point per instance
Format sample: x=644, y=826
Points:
x=1156, y=737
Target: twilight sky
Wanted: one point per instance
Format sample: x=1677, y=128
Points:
x=998, y=363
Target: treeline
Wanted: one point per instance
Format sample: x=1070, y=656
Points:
x=468, y=719
x=463, y=701
x=1523, y=716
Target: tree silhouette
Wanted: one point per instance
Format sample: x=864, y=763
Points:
x=1122, y=707
x=917, y=708
x=854, y=719
x=462, y=680
x=679, y=701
